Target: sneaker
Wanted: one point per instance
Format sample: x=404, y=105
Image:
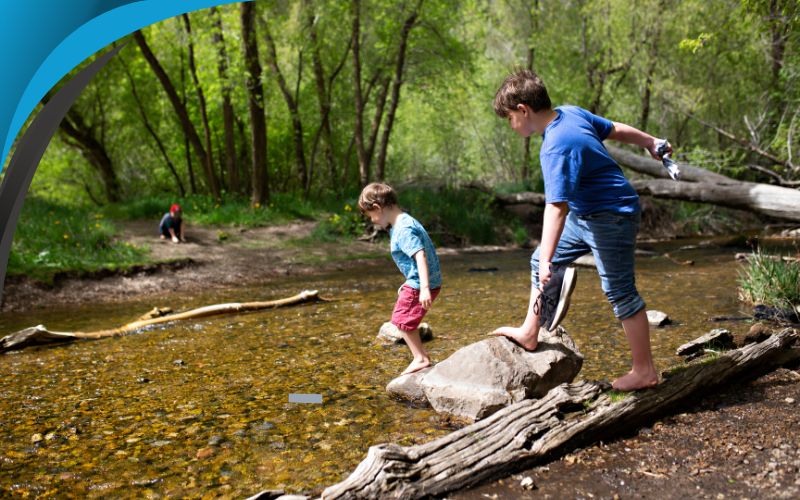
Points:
x=553, y=302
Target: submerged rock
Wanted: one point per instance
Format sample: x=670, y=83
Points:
x=658, y=318
x=409, y=388
x=390, y=334
x=481, y=378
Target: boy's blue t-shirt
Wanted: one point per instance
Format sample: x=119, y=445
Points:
x=407, y=237
x=577, y=168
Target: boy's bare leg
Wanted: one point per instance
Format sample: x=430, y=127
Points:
x=421, y=359
x=526, y=335
x=643, y=374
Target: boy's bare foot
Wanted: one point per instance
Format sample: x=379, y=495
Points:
x=416, y=366
x=524, y=340
x=634, y=380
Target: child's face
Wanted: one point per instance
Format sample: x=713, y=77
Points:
x=520, y=120
x=379, y=216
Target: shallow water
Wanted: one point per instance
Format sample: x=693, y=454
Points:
x=201, y=408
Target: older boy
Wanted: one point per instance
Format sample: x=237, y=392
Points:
x=590, y=207
x=415, y=256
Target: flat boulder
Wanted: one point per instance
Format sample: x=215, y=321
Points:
x=481, y=378
x=658, y=318
x=409, y=387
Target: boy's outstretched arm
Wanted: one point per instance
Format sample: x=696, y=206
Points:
x=424, y=281
x=632, y=135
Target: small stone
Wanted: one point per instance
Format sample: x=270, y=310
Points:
x=527, y=483
x=50, y=436
x=36, y=438
x=204, y=453
x=658, y=318
x=160, y=443
x=240, y=433
x=789, y=400
x=179, y=362
x=215, y=440
x=143, y=380
x=263, y=426
x=390, y=334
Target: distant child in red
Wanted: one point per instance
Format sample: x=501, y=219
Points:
x=171, y=225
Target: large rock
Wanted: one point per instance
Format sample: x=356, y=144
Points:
x=390, y=334
x=409, y=388
x=481, y=378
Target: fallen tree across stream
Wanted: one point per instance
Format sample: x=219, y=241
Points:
x=536, y=431
x=38, y=335
x=697, y=185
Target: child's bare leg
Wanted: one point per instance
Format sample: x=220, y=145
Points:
x=526, y=335
x=643, y=374
x=421, y=359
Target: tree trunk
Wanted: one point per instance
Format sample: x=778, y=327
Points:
x=201, y=99
x=654, y=168
x=766, y=199
x=37, y=335
x=380, y=168
x=83, y=138
x=293, y=105
x=180, y=111
x=255, y=102
x=186, y=148
x=231, y=166
x=149, y=127
x=363, y=167
x=537, y=431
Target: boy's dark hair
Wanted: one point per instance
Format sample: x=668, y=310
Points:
x=377, y=193
x=523, y=86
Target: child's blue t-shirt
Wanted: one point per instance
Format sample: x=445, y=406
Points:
x=577, y=168
x=407, y=237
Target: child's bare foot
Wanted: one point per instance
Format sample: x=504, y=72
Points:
x=634, y=380
x=523, y=339
x=416, y=365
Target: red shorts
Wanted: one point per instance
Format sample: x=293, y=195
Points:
x=408, y=312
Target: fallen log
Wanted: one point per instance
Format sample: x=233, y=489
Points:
x=536, y=431
x=775, y=201
x=654, y=168
x=38, y=335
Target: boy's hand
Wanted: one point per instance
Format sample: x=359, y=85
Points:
x=425, y=298
x=652, y=148
x=544, y=273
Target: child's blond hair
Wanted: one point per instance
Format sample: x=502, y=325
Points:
x=377, y=193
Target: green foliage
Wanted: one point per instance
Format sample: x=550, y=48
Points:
x=770, y=280
x=205, y=210
x=347, y=222
x=51, y=238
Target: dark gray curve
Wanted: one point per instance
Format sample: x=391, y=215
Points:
x=29, y=152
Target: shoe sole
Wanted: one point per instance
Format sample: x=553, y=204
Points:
x=567, y=286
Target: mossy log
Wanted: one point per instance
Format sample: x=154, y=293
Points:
x=536, y=431
x=38, y=335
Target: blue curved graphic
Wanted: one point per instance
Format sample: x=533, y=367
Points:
x=42, y=40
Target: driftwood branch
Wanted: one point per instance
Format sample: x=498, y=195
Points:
x=38, y=335
x=535, y=431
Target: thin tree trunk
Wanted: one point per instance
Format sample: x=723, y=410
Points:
x=363, y=167
x=201, y=99
x=292, y=104
x=83, y=138
x=149, y=127
x=380, y=168
x=255, y=100
x=186, y=147
x=180, y=111
x=231, y=166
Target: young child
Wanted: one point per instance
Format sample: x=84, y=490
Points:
x=171, y=225
x=590, y=207
x=415, y=256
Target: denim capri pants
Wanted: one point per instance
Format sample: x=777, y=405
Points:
x=611, y=238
